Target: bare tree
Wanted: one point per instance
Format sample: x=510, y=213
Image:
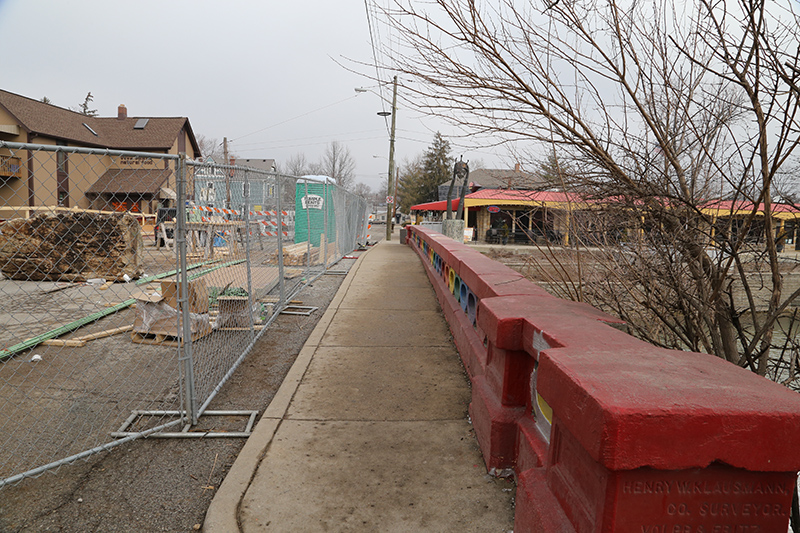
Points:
x=211, y=147
x=338, y=164
x=363, y=190
x=296, y=165
x=657, y=110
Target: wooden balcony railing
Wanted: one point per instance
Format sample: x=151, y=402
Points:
x=10, y=167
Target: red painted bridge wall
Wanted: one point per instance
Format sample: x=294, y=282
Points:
x=604, y=432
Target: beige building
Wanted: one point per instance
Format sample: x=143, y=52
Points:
x=33, y=178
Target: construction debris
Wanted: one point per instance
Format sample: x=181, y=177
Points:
x=158, y=319
x=71, y=246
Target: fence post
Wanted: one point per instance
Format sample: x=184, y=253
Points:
x=279, y=212
x=247, y=242
x=308, y=231
x=364, y=221
x=324, y=253
x=185, y=347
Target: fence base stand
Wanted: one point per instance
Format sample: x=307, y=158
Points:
x=186, y=432
x=304, y=310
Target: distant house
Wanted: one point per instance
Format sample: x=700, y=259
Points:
x=212, y=186
x=105, y=182
x=511, y=179
x=496, y=178
x=267, y=165
x=262, y=191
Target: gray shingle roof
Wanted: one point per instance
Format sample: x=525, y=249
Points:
x=505, y=179
x=52, y=121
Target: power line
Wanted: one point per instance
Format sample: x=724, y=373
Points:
x=299, y=145
x=325, y=136
x=294, y=118
x=373, y=29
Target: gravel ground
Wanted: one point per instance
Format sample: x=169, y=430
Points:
x=164, y=484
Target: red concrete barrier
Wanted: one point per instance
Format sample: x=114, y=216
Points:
x=604, y=432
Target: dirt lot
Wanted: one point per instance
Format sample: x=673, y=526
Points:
x=163, y=484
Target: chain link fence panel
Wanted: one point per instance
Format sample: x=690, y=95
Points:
x=134, y=284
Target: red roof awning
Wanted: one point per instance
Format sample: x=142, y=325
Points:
x=523, y=196
x=441, y=205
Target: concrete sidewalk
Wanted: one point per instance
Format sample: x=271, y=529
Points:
x=369, y=430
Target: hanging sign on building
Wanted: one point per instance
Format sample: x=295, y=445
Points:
x=312, y=201
x=493, y=209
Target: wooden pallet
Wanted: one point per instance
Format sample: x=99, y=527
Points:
x=162, y=339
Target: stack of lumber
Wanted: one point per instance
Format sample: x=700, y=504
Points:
x=294, y=254
x=298, y=254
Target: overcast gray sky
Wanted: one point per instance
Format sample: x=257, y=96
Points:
x=264, y=74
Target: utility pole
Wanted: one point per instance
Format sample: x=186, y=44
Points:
x=389, y=217
x=227, y=174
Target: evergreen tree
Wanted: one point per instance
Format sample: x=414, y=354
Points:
x=420, y=179
x=437, y=168
x=84, y=107
x=555, y=173
x=409, y=184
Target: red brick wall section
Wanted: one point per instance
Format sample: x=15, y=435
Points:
x=603, y=432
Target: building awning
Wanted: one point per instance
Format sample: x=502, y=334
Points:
x=551, y=199
x=726, y=208
x=562, y=200
x=483, y=197
x=441, y=205
x=165, y=193
x=142, y=182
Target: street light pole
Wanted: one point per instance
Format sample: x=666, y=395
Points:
x=389, y=218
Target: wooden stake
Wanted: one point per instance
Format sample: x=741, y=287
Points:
x=106, y=333
x=71, y=343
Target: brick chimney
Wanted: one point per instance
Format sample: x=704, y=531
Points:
x=122, y=112
x=516, y=167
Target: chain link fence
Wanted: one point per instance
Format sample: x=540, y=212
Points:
x=133, y=284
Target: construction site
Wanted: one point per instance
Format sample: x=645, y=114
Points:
x=118, y=325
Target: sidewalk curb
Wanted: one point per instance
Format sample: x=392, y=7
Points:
x=222, y=514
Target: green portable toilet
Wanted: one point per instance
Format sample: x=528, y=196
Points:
x=312, y=202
